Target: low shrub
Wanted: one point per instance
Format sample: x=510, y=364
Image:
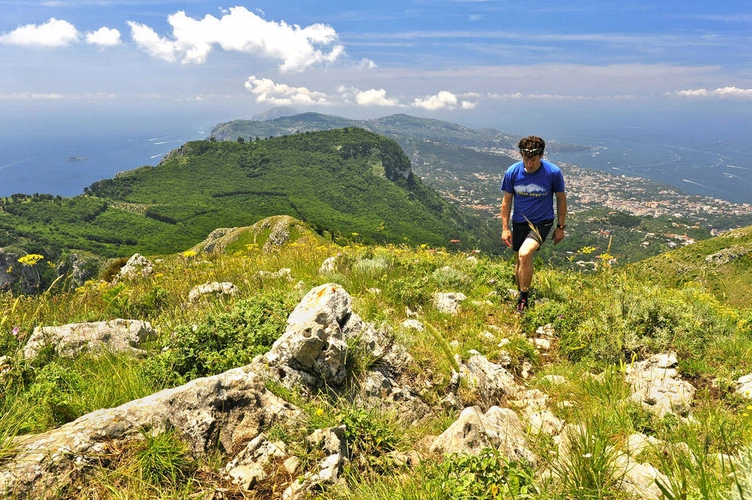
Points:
x=224, y=340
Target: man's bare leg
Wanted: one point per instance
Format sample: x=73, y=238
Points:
x=523, y=270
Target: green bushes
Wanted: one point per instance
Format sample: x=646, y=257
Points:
x=486, y=475
x=612, y=319
x=223, y=340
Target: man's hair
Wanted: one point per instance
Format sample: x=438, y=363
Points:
x=532, y=142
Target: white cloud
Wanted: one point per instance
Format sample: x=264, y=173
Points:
x=30, y=96
x=242, y=31
x=371, y=97
x=442, y=100
x=35, y=96
x=367, y=64
x=152, y=43
x=721, y=92
x=692, y=93
x=279, y=94
x=53, y=33
x=374, y=97
x=104, y=37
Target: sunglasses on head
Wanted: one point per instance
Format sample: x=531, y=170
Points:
x=529, y=153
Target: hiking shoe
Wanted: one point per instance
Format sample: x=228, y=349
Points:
x=521, y=305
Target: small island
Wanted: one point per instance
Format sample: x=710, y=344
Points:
x=77, y=158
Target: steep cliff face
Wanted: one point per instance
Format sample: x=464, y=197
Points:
x=15, y=276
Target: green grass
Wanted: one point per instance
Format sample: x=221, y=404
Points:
x=603, y=321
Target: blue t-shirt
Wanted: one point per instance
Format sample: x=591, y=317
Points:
x=533, y=193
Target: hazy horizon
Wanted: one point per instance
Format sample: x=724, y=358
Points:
x=34, y=151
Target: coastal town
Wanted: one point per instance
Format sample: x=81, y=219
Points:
x=587, y=189
x=644, y=198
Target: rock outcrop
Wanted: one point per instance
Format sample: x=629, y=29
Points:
x=270, y=233
x=231, y=408
x=656, y=385
x=214, y=289
x=474, y=430
x=118, y=335
x=137, y=266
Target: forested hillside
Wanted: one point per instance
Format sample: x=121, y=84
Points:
x=349, y=184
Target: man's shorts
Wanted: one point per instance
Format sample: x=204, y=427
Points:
x=522, y=231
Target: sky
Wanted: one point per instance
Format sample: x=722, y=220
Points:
x=512, y=65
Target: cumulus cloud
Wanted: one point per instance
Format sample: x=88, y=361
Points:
x=374, y=97
x=280, y=94
x=242, y=31
x=722, y=92
x=442, y=100
x=152, y=43
x=371, y=97
x=367, y=64
x=53, y=33
x=104, y=37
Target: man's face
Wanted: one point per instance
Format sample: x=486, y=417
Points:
x=532, y=163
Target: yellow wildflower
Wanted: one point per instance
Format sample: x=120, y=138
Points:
x=30, y=259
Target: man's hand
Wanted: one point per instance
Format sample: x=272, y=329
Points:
x=506, y=237
x=558, y=235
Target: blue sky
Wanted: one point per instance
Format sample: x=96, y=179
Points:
x=509, y=64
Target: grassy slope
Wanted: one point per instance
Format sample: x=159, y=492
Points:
x=593, y=336
x=602, y=322
x=341, y=182
x=722, y=264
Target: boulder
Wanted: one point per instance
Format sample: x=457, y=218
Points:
x=640, y=479
x=282, y=273
x=656, y=385
x=231, y=409
x=490, y=381
x=329, y=265
x=214, y=288
x=449, y=303
x=327, y=472
x=313, y=353
x=118, y=335
x=137, y=266
x=251, y=466
x=744, y=386
x=473, y=431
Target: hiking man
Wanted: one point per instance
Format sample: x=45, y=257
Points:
x=530, y=186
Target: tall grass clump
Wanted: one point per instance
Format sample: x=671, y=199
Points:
x=162, y=458
x=616, y=319
x=586, y=466
x=63, y=389
x=487, y=475
x=693, y=470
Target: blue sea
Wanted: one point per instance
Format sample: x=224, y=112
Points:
x=712, y=170
x=63, y=161
x=60, y=165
